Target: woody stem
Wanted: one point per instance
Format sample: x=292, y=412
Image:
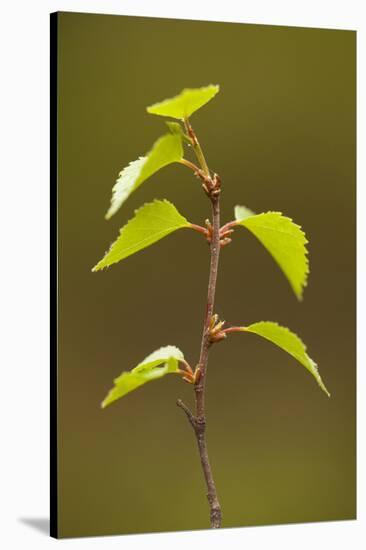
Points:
x=198, y=421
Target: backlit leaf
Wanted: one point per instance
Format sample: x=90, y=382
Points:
x=184, y=104
x=242, y=213
x=151, y=222
x=166, y=150
x=288, y=341
x=159, y=363
x=283, y=239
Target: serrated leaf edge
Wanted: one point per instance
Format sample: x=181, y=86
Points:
x=113, y=208
x=294, y=355
x=304, y=283
x=154, y=201
x=127, y=191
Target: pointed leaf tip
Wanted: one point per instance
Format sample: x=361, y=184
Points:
x=183, y=105
x=289, y=342
x=151, y=222
x=284, y=240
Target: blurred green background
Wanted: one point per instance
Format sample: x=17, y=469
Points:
x=281, y=133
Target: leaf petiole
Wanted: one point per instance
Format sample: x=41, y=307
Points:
x=197, y=147
x=228, y=226
x=190, y=165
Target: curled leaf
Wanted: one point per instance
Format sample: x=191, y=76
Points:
x=159, y=363
x=284, y=240
x=289, y=342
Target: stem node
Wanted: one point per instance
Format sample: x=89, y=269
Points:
x=212, y=187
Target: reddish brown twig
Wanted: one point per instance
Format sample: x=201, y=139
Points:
x=212, y=187
x=232, y=329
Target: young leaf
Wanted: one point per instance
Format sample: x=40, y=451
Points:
x=242, y=213
x=184, y=104
x=149, y=369
x=176, y=128
x=283, y=239
x=166, y=150
x=288, y=341
x=151, y=222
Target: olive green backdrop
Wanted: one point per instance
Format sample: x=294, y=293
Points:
x=281, y=133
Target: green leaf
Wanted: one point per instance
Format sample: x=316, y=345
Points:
x=176, y=128
x=242, y=213
x=283, y=239
x=146, y=371
x=166, y=150
x=288, y=341
x=184, y=104
x=151, y=222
